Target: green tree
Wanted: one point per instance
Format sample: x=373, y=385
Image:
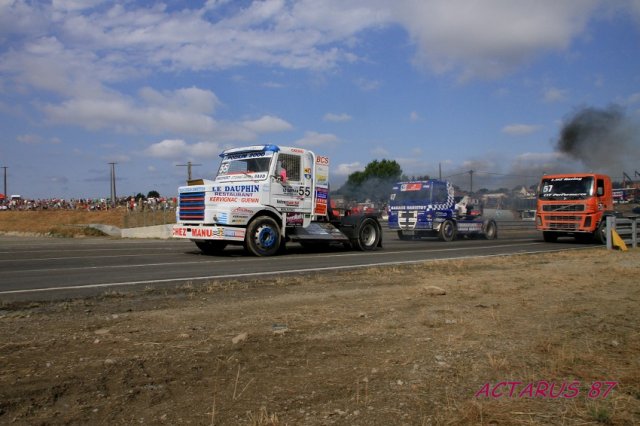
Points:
x=373, y=183
x=153, y=194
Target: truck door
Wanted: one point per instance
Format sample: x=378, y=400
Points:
x=292, y=193
x=601, y=195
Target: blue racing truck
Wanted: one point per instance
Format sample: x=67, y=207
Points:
x=428, y=208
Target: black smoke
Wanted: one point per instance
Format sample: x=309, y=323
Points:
x=602, y=139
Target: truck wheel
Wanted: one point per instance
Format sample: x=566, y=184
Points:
x=447, y=231
x=211, y=247
x=369, y=235
x=600, y=236
x=549, y=237
x=490, y=230
x=263, y=237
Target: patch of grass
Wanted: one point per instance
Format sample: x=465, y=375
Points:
x=263, y=418
x=600, y=414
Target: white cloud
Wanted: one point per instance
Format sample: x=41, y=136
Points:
x=492, y=37
x=31, y=139
x=379, y=152
x=345, y=169
x=118, y=158
x=168, y=149
x=367, y=85
x=414, y=116
x=191, y=99
x=74, y=5
x=520, y=129
x=123, y=115
x=633, y=98
x=273, y=85
x=178, y=149
x=313, y=139
x=337, y=118
x=554, y=94
x=204, y=150
x=472, y=39
x=267, y=124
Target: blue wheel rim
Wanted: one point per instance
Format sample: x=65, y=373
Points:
x=266, y=237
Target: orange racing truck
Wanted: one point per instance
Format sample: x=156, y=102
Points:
x=574, y=205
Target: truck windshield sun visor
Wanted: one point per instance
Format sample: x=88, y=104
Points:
x=577, y=188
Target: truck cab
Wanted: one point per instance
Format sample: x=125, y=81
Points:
x=574, y=205
x=261, y=197
x=428, y=208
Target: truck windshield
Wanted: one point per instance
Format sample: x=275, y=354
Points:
x=566, y=188
x=245, y=164
x=410, y=194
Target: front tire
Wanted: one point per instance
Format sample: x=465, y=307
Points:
x=600, y=236
x=263, y=237
x=448, y=231
x=369, y=235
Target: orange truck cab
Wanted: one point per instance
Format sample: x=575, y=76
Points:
x=574, y=205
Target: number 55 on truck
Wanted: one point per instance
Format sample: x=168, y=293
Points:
x=264, y=196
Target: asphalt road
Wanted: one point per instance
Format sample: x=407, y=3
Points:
x=48, y=268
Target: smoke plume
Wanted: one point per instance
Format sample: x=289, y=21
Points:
x=602, y=139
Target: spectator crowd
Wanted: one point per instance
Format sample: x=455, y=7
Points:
x=90, y=204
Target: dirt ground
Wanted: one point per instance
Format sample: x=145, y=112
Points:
x=530, y=339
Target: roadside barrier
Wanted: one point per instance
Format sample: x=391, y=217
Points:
x=624, y=227
x=136, y=219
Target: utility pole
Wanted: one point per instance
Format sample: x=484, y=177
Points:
x=113, y=184
x=188, y=166
x=471, y=181
x=439, y=171
x=5, y=181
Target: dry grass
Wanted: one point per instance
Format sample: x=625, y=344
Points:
x=58, y=222
x=359, y=347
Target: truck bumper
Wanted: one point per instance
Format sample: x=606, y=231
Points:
x=566, y=223
x=219, y=233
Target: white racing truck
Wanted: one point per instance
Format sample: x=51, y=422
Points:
x=264, y=196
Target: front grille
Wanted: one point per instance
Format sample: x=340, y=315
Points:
x=564, y=218
x=407, y=219
x=563, y=226
x=562, y=222
x=563, y=207
x=192, y=206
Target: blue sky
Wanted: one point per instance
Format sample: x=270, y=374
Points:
x=457, y=84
